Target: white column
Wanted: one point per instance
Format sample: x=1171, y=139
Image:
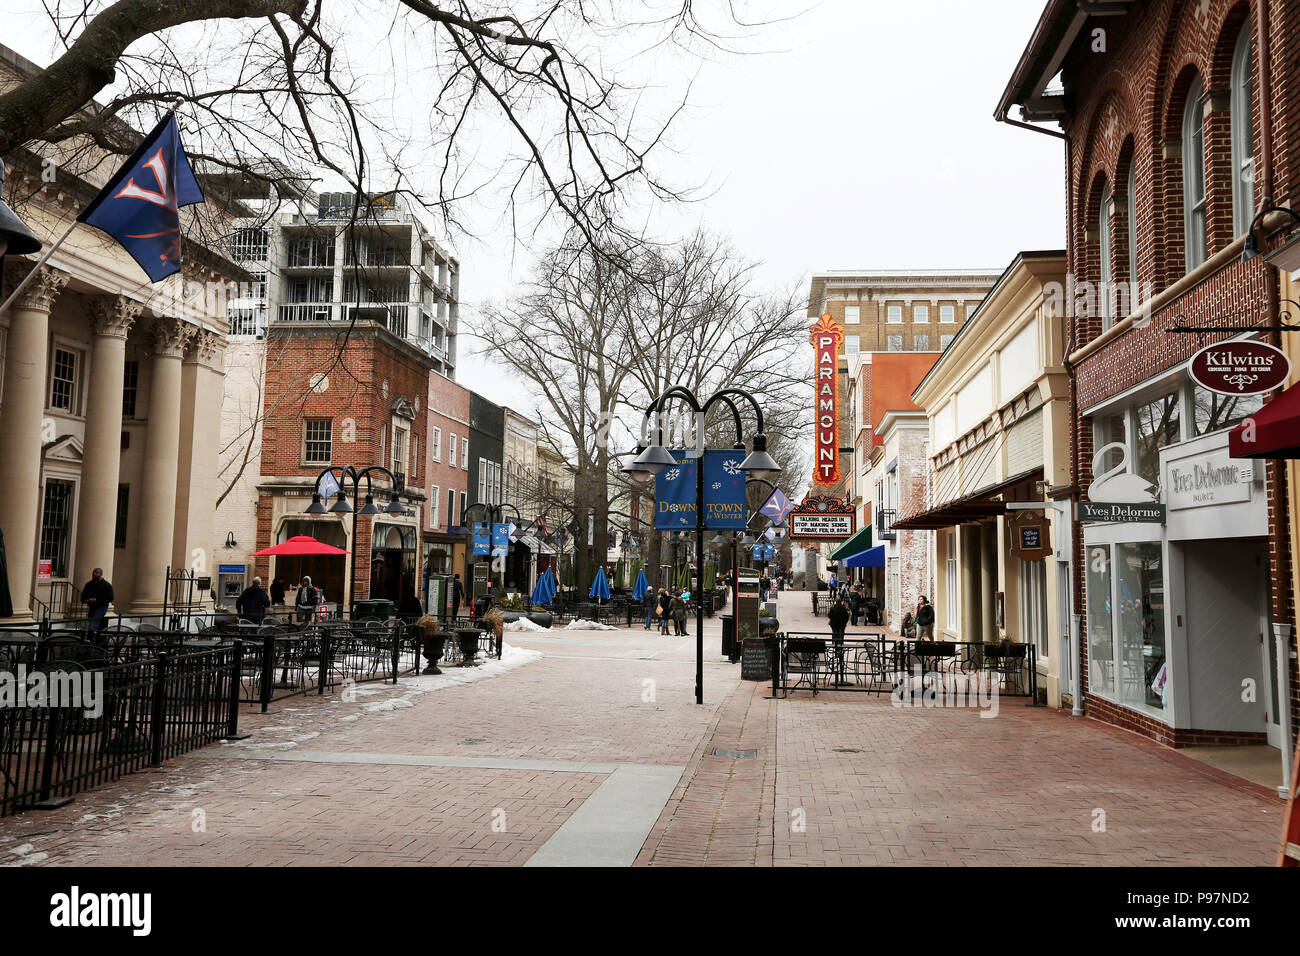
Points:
x=111, y=318
x=22, y=410
x=168, y=340
x=196, y=470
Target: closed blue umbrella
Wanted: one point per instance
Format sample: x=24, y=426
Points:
x=600, y=586
x=552, y=586
x=539, y=595
x=642, y=585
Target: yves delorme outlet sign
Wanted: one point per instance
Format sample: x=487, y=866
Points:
x=1119, y=511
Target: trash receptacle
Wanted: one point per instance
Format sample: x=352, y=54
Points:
x=380, y=608
x=729, y=648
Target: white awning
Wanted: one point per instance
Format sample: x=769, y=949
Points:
x=532, y=543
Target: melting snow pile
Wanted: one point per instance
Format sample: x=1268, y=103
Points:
x=584, y=625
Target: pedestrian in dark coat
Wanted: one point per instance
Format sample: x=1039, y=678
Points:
x=924, y=619
x=278, y=588
x=678, y=607
x=309, y=598
x=665, y=610
x=457, y=594
x=649, y=601
x=253, y=602
x=838, y=616
x=97, y=595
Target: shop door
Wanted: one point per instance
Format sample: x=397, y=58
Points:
x=1227, y=629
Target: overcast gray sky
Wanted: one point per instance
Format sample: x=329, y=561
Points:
x=859, y=134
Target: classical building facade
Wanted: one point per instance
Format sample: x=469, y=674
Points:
x=109, y=383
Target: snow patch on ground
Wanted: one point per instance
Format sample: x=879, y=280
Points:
x=25, y=856
x=580, y=624
x=523, y=624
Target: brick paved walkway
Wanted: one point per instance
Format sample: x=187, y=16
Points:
x=489, y=772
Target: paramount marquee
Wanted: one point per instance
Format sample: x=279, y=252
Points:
x=825, y=337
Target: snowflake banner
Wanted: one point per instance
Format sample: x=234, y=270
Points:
x=724, y=492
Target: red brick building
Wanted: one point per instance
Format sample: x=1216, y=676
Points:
x=447, y=470
x=361, y=404
x=1177, y=120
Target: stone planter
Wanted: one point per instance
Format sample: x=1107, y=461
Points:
x=542, y=618
x=768, y=626
x=508, y=616
x=433, y=649
x=468, y=638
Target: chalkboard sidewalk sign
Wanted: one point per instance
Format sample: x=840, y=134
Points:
x=754, y=663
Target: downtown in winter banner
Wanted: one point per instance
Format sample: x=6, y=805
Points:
x=724, y=492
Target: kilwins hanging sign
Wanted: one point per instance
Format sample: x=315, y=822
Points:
x=826, y=338
x=1240, y=367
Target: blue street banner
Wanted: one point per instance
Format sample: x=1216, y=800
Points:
x=140, y=205
x=724, y=492
x=500, y=540
x=482, y=543
x=777, y=507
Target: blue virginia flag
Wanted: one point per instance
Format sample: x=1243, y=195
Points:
x=777, y=507
x=140, y=205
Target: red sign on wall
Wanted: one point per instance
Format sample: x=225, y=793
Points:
x=826, y=338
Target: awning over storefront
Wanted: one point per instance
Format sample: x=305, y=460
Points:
x=860, y=540
x=1272, y=432
x=534, y=544
x=973, y=507
x=871, y=558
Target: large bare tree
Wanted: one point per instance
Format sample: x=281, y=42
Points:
x=602, y=331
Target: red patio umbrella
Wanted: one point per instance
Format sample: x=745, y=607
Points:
x=300, y=544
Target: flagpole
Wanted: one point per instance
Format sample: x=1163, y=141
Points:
x=45, y=256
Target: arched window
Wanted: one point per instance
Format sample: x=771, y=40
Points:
x=1243, y=135
x=1132, y=235
x=1194, y=238
x=1106, y=274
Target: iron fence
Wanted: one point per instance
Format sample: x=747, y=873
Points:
x=880, y=664
x=139, y=715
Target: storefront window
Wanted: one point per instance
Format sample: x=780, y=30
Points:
x=1101, y=652
x=1141, y=624
x=1157, y=426
x=1214, y=411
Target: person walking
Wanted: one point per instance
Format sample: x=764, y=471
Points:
x=838, y=617
x=855, y=604
x=924, y=619
x=97, y=595
x=278, y=587
x=678, y=607
x=457, y=594
x=309, y=598
x=253, y=602
x=664, y=610
x=649, y=601
x=763, y=584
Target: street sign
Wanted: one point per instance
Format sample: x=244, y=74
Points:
x=821, y=518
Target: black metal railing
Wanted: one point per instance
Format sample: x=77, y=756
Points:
x=878, y=663
x=128, y=717
x=885, y=518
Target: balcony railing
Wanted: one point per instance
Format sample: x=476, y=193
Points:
x=306, y=312
x=885, y=518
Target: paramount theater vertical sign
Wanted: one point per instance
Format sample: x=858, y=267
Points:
x=826, y=337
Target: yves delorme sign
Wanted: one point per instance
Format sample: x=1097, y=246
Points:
x=1207, y=479
x=1119, y=511
x=724, y=492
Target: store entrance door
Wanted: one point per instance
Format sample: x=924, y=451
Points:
x=1227, y=635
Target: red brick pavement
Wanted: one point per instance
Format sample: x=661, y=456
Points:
x=842, y=779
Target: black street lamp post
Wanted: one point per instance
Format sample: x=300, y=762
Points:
x=653, y=458
x=342, y=506
x=493, y=514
